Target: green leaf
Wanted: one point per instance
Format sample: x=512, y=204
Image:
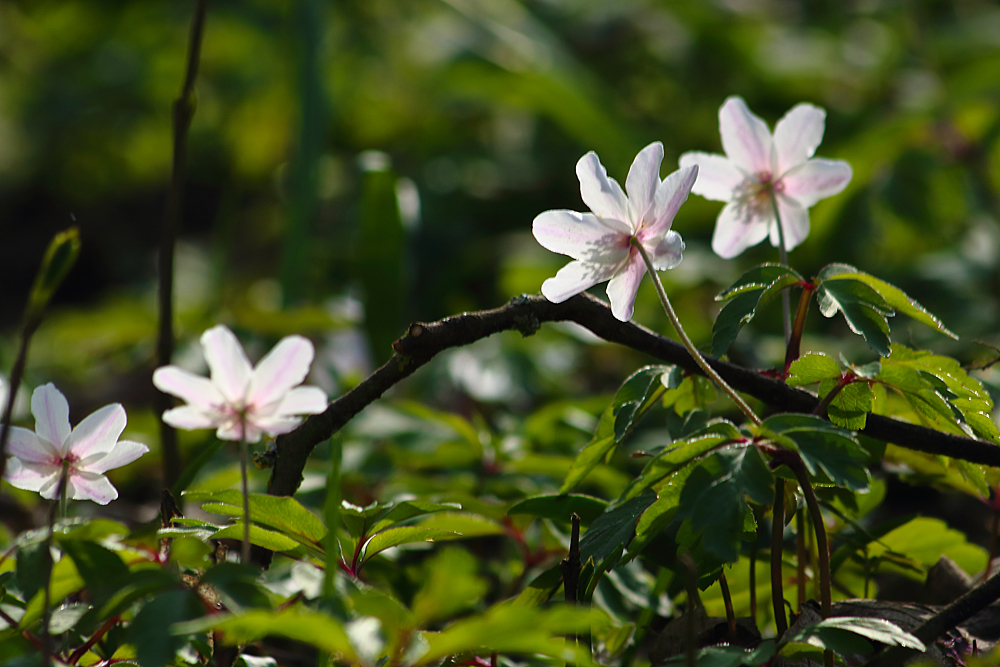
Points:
x=811, y=368
x=155, y=646
x=863, y=308
x=237, y=586
x=462, y=524
x=754, y=289
x=295, y=622
x=136, y=585
x=261, y=537
x=102, y=570
x=729, y=656
x=560, y=507
x=541, y=589
x=612, y=532
x=714, y=498
x=850, y=407
x=615, y=423
x=676, y=456
x=282, y=513
x=893, y=296
x=450, y=585
x=408, y=509
x=824, y=447
x=692, y=393
x=925, y=540
x=65, y=581
x=849, y=635
x=394, y=537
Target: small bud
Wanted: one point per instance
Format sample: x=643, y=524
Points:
x=58, y=260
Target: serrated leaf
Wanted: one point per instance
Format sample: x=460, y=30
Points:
x=863, y=308
x=560, y=507
x=893, y=296
x=462, y=524
x=754, y=289
x=237, y=585
x=408, y=509
x=102, y=569
x=848, y=635
x=811, y=368
x=615, y=423
x=675, y=457
x=839, y=457
x=714, y=498
x=136, y=585
x=155, y=646
x=281, y=513
x=758, y=277
x=612, y=532
x=731, y=319
x=694, y=392
x=261, y=537
x=850, y=407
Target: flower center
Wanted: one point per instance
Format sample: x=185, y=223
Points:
x=753, y=196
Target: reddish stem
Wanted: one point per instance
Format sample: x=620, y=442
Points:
x=795, y=340
x=96, y=637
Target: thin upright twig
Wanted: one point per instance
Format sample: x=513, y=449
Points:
x=183, y=112
x=777, y=535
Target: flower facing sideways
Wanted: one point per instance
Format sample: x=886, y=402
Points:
x=757, y=164
x=266, y=398
x=87, y=451
x=602, y=242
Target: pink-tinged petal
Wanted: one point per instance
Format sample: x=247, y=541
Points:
x=98, y=433
x=582, y=236
x=745, y=137
x=277, y=425
x=718, y=178
x=190, y=388
x=125, y=452
x=231, y=431
x=737, y=229
x=51, y=412
x=794, y=222
x=668, y=252
x=670, y=195
x=31, y=476
x=188, y=418
x=284, y=367
x=815, y=180
x=231, y=370
x=625, y=285
x=28, y=447
x=797, y=135
x=303, y=401
x=574, y=278
x=601, y=194
x=90, y=486
x=643, y=180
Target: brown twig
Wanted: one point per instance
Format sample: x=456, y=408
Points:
x=183, y=112
x=526, y=314
x=777, y=535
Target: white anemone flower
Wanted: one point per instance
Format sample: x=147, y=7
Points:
x=266, y=398
x=86, y=452
x=757, y=164
x=601, y=242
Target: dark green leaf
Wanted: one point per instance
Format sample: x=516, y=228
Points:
x=754, y=289
x=155, y=646
x=612, y=532
x=560, y=507
x=102, y=570
x=675, y=457
x=408, y=509
x=394, y=537
x=237, y=586
x=863, y=308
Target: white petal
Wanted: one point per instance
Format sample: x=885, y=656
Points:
x=625, y=285
x=51, y=415
x=668, y=251
x=98, y=433
x=797, y=135
x=188, y=387
x=815, y=180
x=670, y=195
x=28, y=447
x=189, y=418
x=228, y=362
x=284, y=367
x=718, y=178
x=643, y=180
x=31, y=476
x=601, y=194
x=574, y=278
x=745, y=137
x=231, y=431
x=125, y=452
x=90, y=486
x=582, y=236
x=736, y=229
x=794, y=222
x=303, y=401
x=276, y=425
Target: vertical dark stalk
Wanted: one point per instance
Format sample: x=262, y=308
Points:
x=570, y=566
x=786, y=307
x=16, y=375
x=727, y=599
x=753, y=581
x=801, y=559
x=795, y=340
x=777, y=533
x=183, y=112
x=47, y=556
x=821, y=546
x=244, y=455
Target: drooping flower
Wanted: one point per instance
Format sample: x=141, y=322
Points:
x=267, y=397
x=601, y=242
x=757, y=164
x=87, y=451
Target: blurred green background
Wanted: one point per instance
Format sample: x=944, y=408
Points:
x=359, y=164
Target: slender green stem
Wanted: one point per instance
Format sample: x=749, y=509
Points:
x=244, y=455
x=777, y=581
x=822, y=547
x=727, y=599
x=692, y=350
x=753, y=579
x=786, y=306
x=47, y=596
x=801, y=559
x=821, y=407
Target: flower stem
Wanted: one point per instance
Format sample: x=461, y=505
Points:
x=794, y=343
x=692, y=350
x=49, y=565
x=245, y=547
x=821, y=547
x=786, y=306
x=777, y=581
x=727, y=598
